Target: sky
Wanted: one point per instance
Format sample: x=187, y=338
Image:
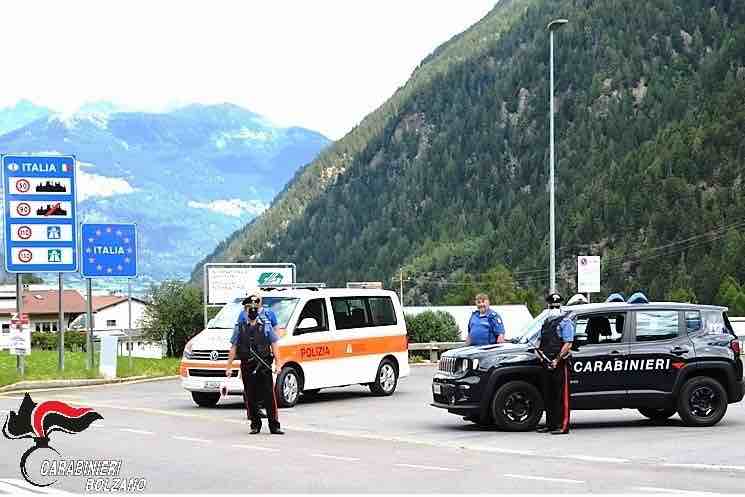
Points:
x=323, y=65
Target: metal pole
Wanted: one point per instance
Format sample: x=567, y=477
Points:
x=20, y=360
x=552, y=216
x=129, y=304
x=401, y=294
x=89, y=341
x=61, y=328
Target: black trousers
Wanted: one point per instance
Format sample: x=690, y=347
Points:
x=258, y=385
x=556, y=396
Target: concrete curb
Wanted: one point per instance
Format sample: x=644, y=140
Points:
x=25, y=386
x=425, y=363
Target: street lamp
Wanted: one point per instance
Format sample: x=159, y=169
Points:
x=553, y=26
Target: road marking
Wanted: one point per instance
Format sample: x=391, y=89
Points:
x=15, y=486
x=595, y=458
x=671, y=491
x=433, y=468
x=139, y=432
x=715, y=467
x=506, y=451
x=541, y=478
x=189, y=439
x=255, y=447
x=338, y=458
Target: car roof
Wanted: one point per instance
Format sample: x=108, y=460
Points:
x=623, y=306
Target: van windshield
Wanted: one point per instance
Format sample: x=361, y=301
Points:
x=283, y=308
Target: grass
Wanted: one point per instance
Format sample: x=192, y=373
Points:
x=42, y=365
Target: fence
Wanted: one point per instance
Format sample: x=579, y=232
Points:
x=435, y=348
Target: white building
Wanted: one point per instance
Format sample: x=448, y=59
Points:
x=515, y=317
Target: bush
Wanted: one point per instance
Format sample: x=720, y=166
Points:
x=432, y=326
x=74, y=340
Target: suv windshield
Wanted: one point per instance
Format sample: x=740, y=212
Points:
x=529, y=334
x=283, y=307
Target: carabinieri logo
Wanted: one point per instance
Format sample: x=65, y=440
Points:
x=38, y=421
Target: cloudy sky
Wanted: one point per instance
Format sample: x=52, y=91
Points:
x=323, y=65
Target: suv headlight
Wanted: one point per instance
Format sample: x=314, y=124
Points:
x=465, y=365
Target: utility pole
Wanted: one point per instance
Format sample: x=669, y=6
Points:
x=401, y=292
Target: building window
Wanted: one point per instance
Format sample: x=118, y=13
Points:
x=110, y=323
x=46, y=326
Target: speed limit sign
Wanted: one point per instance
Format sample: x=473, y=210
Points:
x=22, y=185
x=24, y=232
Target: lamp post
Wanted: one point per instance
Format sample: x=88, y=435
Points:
x=553, y=26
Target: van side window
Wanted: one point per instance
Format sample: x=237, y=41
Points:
x=382, y=311
x=315, y=309
x=350, y=312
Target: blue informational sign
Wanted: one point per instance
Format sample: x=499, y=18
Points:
x=109, y=250
x=39, y=213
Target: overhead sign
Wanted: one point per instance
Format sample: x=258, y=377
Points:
x=588, y=274
x=109, y=250
x=19, y=340
x=39, y=213
x=224, y=281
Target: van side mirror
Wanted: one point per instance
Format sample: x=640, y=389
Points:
x=308, y=323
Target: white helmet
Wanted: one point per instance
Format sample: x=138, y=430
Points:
x=577, y=299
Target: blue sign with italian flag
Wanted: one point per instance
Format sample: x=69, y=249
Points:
x=39, y=213
x=109, y=250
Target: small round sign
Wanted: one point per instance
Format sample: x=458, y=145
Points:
x=24, y=232
x=23, y=209
x=25, y=255
x=22, y=185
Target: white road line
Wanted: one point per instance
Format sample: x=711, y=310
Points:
x=338, y=458
x=541, y=478
x=715, y=467
x=189, y=439
x=506, y=451
x=15, y=486
x=595, y=458
x=139, y=432
x=671, y=491
x=255, y=447
x=433, y=468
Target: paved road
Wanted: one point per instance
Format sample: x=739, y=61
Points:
x=349, y=441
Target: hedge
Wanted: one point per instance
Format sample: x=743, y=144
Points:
x=74, y=340
x=432, y=326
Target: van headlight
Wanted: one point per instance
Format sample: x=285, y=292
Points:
x=187, y=350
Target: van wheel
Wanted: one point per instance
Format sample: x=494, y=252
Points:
x=517, y=406
x=386, y=379
x=288, y=387
x=656, y=414
x=205, y=399
x=702, y=401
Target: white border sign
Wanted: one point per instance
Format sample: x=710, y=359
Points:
x=224, y=281
x=588, y=273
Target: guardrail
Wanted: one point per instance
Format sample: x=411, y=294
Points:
x=435, y=348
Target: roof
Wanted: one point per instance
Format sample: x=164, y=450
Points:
x=104, y=301
x=47, y=302
x=609, y=306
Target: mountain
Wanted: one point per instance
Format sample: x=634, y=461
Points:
x=188, y=177
x=21, y=114
x=448, y=178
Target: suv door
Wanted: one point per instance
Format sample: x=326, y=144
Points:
x=658, y=353
x=603, y=346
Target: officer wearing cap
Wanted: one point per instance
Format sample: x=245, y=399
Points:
x=254, y=342
x=557, y=335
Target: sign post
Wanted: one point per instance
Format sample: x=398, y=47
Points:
x=108, y=251
x=588, y=274
x=39, y=214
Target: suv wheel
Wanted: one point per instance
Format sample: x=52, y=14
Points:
x=517, y=406
x=656, y=414
x=386, y=379
x=288, y=387
x=205, y=399
x=702, y=401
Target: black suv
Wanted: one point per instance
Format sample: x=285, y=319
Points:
x=659, y=358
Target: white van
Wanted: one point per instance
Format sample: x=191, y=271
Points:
x=333, y=337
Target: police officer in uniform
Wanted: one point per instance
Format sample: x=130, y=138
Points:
x=254, y=342
x=557, y=335
x=485, y=326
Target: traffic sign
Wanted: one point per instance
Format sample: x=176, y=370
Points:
x=109, y=250
x=588, y=273
x=39, y=213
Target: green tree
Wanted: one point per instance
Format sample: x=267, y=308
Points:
x=432, y=326
x=174, y=314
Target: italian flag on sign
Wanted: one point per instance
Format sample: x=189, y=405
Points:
x=66, y=168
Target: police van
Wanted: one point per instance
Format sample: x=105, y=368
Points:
x=329, y=337
x=660, y=358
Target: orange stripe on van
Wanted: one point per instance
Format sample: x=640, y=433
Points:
x=339, y=349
